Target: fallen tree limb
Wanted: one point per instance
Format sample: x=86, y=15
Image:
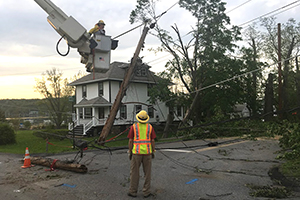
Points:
x=57, y=164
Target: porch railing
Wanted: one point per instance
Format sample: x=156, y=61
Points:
x=89, y=123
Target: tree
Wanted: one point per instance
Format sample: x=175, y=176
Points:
x=160, y=92
x=56, y=91
x=27, y=124
x=290, y=45
x=251, y=56
x=202, y=61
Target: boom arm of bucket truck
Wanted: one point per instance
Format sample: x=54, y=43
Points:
x=77, y=37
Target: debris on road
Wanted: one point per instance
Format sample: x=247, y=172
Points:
x=58, y=164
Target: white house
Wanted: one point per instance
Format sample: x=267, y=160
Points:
x=96, y=92
x=240, y=110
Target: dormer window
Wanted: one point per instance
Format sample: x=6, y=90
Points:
x=100, y=89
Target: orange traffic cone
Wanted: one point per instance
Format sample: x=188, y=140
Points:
x=27, y=162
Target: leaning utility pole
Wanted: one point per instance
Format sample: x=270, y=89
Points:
x=115, y=107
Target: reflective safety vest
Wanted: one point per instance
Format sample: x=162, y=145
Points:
x=142, y=138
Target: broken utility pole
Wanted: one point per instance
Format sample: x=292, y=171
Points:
x=115, y=107
x=58, y=164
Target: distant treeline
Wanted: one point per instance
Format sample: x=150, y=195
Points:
x=16, y=108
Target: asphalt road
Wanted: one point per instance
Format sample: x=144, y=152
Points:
x=199, y=172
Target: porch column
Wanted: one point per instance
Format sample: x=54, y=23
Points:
x=93, y=116
x=77, y=116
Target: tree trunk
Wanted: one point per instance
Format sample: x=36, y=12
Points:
x=189, y=111
x=168, y=123
x=51, y=163
x=269, y=96
x=297, y=77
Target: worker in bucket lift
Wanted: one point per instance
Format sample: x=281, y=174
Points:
x=141, y=151
x=98, y=29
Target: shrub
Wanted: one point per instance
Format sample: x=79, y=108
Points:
x=7, y=134
x=290, y=140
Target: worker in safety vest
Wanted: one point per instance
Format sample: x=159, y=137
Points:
x=98, y=28
x=141, y=151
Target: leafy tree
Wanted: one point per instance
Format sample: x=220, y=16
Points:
x=56, y=91
x=202, y=61
x=290, y=44
x=251, y=55
x=27, y=124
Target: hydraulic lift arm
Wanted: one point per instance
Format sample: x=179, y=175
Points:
x=75, y=34
x=78, y=37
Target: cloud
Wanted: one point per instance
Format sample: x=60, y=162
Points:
x=27, y=44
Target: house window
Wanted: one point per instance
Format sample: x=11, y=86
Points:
x=123, y=112
x=80, y=113
x=100, y=89
x=87, y=113
x=138, y=108
x=101, y=113
x=179, y=113
x=143, y=72
x=83, y=91
x=151, y=111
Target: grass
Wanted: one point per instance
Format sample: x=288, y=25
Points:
x=25, y=138
x=291, y=168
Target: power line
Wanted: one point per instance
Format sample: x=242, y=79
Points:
x=233, y=78
x=237, y=7
x=250, y=20
x=159, y=16
x=270, y=13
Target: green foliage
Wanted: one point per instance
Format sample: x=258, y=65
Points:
x=56, y=91
x=7, y=134
x=227, y=128
x=268, y=191
x=291, y=168
x=161, y=92
x=211, y=39
x=142, y=11
x=290, y=139
x=27, y=124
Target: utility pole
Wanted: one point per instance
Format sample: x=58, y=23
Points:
x=279, y=73
x=115, y=107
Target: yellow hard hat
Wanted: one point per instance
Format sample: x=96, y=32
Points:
x=101, y=22
x=142, y=116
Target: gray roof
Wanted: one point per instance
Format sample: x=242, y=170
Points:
x=116, y=72
x=239, y=107
x=95, y=102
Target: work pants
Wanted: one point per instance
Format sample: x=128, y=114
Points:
x=135, y=164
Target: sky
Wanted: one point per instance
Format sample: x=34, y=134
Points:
x=28, y=42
